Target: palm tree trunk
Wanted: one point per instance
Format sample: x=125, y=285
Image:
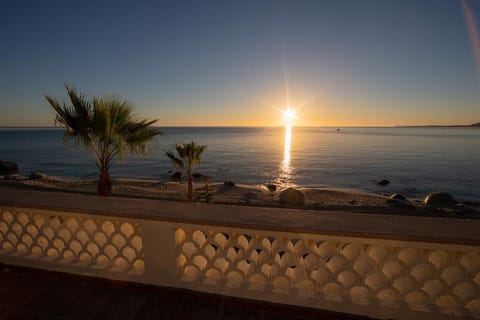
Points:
x=104, y=187
x=190, y=187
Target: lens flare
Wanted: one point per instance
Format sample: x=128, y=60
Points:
x=289, y=115
x=472, y=33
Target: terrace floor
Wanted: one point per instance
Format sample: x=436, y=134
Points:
x=36, y=294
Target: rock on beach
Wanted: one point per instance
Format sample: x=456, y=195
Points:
x=37, y=175
x=8, y=166
x=229, y=184
x=271, y=187
x=177, y=175
x=292, y=196
x=439, y=199
x=398, y=196
x=383, y=182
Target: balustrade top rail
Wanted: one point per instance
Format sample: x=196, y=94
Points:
x=343, y=223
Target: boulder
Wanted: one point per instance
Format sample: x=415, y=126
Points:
x=37, y=175
x=440, y=199
x=229, y=183
x=398, y=196
x=383, y=182
x=176, y=175
x=271, y=187
x=292, y=196
x=7, y=166
x=197, y=175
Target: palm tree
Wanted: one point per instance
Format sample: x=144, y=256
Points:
x=104, y=125
x=187, y=155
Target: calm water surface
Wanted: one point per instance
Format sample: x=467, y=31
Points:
x=415, y=160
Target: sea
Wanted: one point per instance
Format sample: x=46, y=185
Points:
x=415, y=160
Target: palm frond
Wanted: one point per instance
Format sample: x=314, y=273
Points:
x=187, y=155
x=80, y=103
x=176, y=162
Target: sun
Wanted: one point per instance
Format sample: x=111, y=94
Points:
x=289, y=115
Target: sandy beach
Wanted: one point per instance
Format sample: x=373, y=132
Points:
x=317, y=198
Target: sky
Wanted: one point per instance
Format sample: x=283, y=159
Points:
x=239, y=63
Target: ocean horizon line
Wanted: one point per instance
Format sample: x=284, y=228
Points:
x=276, y=126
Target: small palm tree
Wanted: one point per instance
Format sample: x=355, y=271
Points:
x=187, y=155
x=106, y=126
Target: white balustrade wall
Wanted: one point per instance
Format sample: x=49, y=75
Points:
x=381, y=278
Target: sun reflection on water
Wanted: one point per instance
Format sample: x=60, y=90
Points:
x=285, y=165
x=286, y=176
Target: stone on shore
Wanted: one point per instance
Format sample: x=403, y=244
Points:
x=383, y=182
x=398, y=196
x=177, y=175
x=271, y=187
x=229, y=183
x=8, y=166
x=292, y=196
x=440, y=199
x=37, y=175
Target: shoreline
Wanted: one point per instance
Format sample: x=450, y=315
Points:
x=316, y=198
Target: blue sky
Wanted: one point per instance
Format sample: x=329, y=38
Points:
x=225, y=62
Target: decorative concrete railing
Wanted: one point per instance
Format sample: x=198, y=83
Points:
x=379, y=266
